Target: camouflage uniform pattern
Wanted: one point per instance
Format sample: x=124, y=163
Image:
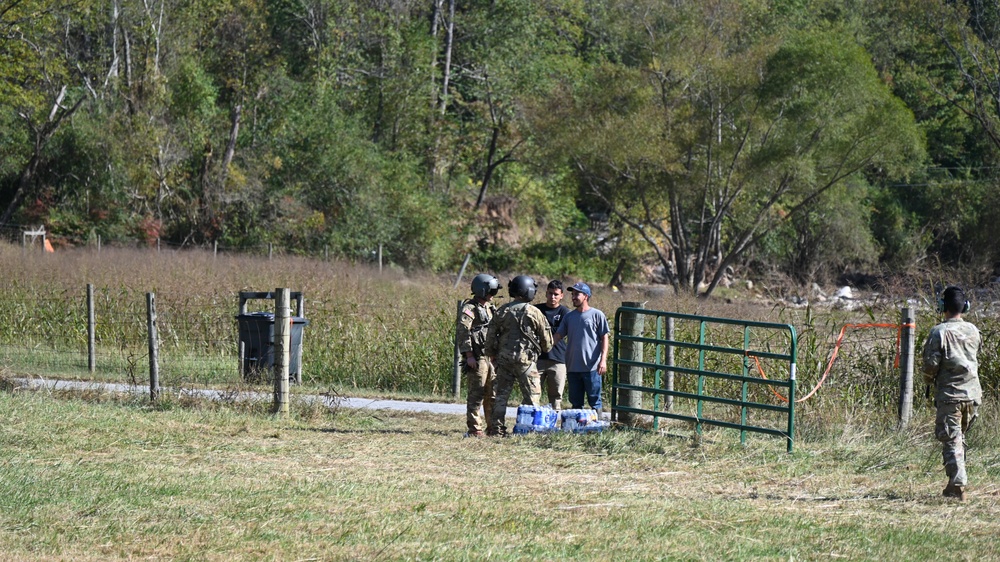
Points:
x=950, y=362
x=953, y=421
x=518, y=334
x=470, y=332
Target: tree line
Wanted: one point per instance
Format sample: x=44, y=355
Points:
x=807, y=138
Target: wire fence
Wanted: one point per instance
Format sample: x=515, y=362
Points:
x=358, y=336
x=340, y=344
x=348, y=344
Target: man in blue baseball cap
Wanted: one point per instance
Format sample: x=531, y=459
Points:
x=585, y=330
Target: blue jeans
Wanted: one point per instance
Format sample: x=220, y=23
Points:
x=587, y=382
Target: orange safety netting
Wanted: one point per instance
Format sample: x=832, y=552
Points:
x=833, y=356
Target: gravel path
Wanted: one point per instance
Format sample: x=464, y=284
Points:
x=342, y=402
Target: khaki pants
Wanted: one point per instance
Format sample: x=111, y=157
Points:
x=526, y=376
x=481, y=394
x=553, y=380
x=953, y=420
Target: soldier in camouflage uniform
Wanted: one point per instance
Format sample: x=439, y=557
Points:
x=951, y=364
x=518, y=334
x=470, y=332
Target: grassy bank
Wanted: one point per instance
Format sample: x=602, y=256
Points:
x=102, y=479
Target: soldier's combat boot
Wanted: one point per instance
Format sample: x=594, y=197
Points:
x=952, y=491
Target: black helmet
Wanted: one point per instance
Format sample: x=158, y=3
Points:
x=522, y=286
x=484, y=285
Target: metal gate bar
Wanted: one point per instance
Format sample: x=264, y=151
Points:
x=664, y=344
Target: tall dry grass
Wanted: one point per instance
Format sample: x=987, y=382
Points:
x=366, y=330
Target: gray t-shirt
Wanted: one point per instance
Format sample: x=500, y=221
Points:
x=582, y=332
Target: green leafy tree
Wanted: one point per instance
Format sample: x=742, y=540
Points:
x=354, y=196
x=704, y=156
x=940, y=59
x=832, y=234
x=40, y=87
x=504, y=56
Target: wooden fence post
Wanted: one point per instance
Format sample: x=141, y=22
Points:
x=906, y=352
x=632, y=325
x=154, y=348
x=91, y=330
x=282, y=345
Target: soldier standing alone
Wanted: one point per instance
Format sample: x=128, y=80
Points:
x=518, y=334
x=470, y=332
x=951, y=364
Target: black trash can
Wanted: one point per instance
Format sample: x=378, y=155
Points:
x=256, y=335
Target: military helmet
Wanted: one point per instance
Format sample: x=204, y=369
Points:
x=522, y=286
x=485, y=285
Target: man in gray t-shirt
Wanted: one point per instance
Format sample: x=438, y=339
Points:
x=585, y=330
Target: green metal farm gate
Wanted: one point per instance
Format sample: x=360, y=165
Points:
x=704, y=370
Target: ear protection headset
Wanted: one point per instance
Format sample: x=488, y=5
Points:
x=940, y=302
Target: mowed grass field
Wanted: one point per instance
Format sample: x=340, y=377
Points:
x=105, y=478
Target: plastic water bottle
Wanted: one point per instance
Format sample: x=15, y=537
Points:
x=569, y=420
x=551, y=418
x=525, y=414
x=593, y=427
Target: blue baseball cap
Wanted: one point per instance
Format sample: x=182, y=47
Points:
x=581, y=287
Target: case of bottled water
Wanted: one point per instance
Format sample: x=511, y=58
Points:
x=581, y=421
x=533, y=419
